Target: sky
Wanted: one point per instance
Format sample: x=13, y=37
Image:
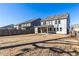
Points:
x=15, y=13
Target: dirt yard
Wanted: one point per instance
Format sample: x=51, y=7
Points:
x=38, y=45
x=30, y=38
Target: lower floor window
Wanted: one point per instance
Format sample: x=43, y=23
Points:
x=54, y=29
x=57, y=29
x=49, y=29
x=60, y=29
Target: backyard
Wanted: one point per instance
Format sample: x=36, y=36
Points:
x=38, y=45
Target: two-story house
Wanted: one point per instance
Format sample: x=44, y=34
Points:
x=28, y=26
x=59, y=24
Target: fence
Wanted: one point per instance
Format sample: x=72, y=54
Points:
x=6, y=32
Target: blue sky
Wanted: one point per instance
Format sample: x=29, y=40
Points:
x=16, y=13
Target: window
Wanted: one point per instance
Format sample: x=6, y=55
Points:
x=59, y=22
x=50, y=29
x=56, y=22
x=57, y=29
x=44, y=23
x=60, y=29
x=54, y=29
x=50, y=22
x=41, y=23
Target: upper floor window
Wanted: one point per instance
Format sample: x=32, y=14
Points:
x=59, y=22
x=50, y=22
x=43, y=23
x=55, y=21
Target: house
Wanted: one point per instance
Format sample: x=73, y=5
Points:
x=59, y=24
x=7, y=30
x=11, y=26
x=75, y=29
x=28, y=26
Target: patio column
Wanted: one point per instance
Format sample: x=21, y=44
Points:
x=41, y=30
x=47, y=29
x=36, y=30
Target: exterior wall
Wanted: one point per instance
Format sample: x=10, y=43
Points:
x=63, y=25
x=23, y=26
x=26, y=25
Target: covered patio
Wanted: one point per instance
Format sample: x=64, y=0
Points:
x=44, y=29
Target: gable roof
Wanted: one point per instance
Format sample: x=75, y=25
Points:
x=57, y=17
x=28, y=21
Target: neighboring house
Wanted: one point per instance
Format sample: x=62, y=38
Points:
x=59, y=24
x=75, y=29
x=11, y=26
x=18, y=26
x=28, y=25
